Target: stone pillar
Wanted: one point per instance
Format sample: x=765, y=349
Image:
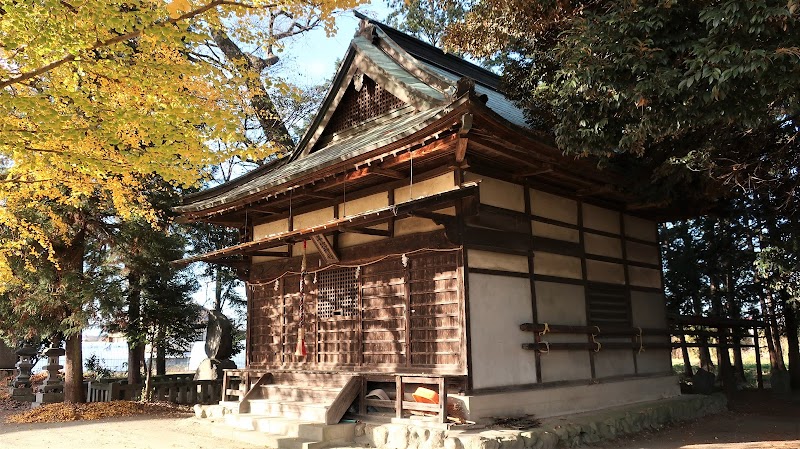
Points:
x=52, y=389
x=21, y=385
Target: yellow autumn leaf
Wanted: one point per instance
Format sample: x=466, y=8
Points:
x=176, y=7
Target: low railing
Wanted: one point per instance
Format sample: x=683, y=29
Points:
x=186, y=391
x=401, y=405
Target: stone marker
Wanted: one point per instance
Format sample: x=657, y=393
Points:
x=780, y=382
x=703, y=382
x=219, y=348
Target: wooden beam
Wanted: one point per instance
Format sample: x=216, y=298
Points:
x=367, y=231
x=596, y=190
x=317, y=194
x=270, y=253
x=545, y=168
x=385, y=172
x=461, y=149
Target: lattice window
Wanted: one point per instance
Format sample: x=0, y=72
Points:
x=337, y=293
x=359, y=106
x=608, y=305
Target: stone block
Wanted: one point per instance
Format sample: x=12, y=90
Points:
x=703, y=382
x=453, y=443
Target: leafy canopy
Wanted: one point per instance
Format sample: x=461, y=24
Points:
x=97, y=96
x=711, y=86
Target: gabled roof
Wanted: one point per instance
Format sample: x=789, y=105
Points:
x=425, y=78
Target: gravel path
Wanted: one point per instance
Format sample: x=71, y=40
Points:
x=757, y=421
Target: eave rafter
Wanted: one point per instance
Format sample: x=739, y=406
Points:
x=361, y=222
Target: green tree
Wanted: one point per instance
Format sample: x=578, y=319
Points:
x=426, y=19
x=688, y=87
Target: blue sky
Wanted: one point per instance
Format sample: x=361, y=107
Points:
x=311, y=58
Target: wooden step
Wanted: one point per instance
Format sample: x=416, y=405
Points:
x=315, y=379
x=286, y=392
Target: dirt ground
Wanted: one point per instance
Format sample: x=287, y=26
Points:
x=756, y=421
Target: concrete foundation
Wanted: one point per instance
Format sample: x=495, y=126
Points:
x=554, y=401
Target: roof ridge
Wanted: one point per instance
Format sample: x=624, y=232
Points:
x=487, y=77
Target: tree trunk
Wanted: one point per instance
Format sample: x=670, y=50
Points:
x=73, y=369
x=135, y=346
x=723, y=357
x=250, y=68
x=218, y=289
x=70, y=257
x=775, y=361
x=793, y=344
x=705, y=354
x=161, y=353
x=146, y=392
x=135, y=363
x=734, y=312
x=776, y=335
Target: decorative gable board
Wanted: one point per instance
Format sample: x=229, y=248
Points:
x=359, y=106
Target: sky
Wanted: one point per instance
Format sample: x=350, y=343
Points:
x=311, y=58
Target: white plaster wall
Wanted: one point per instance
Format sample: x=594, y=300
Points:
x=595, y=217
x=562, y=304
x=266, y=229
x=649, y=311
x=602, y=245
x=427, y=187
x=640, y=228
x=644, y=277
x=364, y=204
x=613, y=362
x=599, y=271
x=547, y=402
x=353, y=238
x=549, y=264
x=639, y=252
x=495, y=192
x=497, y=306
x=551, y=231
x=307, y=220
x=554, y=207
x=360, y=206
x=414, y=225
x=497, y=261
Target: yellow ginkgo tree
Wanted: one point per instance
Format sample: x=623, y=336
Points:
x=96, y=97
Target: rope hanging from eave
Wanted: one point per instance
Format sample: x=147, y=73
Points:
x=363, y=264
x=301, y=350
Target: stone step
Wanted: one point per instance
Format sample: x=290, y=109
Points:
x=299, y=393
x=265, y=439
x=344, y=432
x=289, y=409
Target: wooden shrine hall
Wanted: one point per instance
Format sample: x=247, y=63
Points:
x=421, y=234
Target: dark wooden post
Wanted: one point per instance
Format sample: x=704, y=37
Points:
x=757, y=347
x=399, y=399
x=443, y=399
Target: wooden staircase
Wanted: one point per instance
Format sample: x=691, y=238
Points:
x=318, y=397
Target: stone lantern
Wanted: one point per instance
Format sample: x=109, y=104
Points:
x=21, y=384
x=52, y=390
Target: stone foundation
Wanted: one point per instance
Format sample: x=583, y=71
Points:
x=567, y=431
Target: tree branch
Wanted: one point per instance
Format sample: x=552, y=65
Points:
x=117, y=39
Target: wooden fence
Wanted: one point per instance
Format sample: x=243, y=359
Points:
x=186, y=391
